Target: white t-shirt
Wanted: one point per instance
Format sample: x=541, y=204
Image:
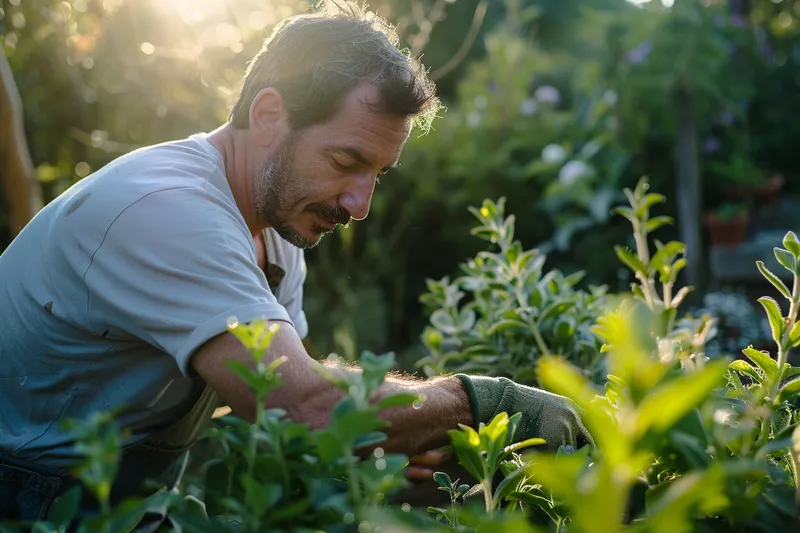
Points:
x=111, y=288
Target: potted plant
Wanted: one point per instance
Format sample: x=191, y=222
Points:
x=727, y=225
x=745, y=180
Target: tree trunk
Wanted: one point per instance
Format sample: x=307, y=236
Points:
x=688, y=191
x=21, y=191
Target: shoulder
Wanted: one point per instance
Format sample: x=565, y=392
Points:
x=179, y=183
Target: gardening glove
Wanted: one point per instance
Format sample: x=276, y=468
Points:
x=544, y=414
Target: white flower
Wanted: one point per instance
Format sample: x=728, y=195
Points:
x=528, y=107
x=547, y=94
x=723, y=416
x=554, y=154
x=610, y=97
x=573, y=172
x=473, y=119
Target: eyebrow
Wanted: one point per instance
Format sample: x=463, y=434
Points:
x=358, y=156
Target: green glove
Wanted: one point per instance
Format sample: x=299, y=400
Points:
x=544, y=414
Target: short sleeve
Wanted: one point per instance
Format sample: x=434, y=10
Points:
x=172, y=268
x=290, y=292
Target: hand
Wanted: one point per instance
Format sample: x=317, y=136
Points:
x=544, y=414
x=420, y=465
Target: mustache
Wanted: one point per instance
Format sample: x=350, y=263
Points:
x=337, y=215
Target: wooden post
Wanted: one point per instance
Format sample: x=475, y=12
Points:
x=688, y=191
x=21, y=191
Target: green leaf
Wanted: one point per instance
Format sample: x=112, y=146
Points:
x=668, y=403
x=794, y=335
x=467, y=446
x=631, y=260
x=786, y=259
x=534, y=500
x=525, y=375
x=369, y=439
x=656, y=222
x=289, y=510
x=649, y=201
x=775, y=317
x=744, y=368
x=775, y=280
x=637, y=291
x=574, y=278
x=789, y=390
x=493, y=437
x=504, y=324
x=565, y=327
x=679, y=296
x=443, y=480
x=701, y=492
x=444, y=322
x=767, y=364
x=789, y=371
x=509, y=483
x=65, y=507
x=524, y=444
x=402, y=399
x=627, y=212
x=692, y=449
x=791, y=243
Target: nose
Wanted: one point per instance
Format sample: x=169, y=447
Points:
x=357, y=197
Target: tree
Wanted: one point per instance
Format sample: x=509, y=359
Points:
x=20, y=189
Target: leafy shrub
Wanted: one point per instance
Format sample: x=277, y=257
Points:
x=684, y=441
x=515, y=313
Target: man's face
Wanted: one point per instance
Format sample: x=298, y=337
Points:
x=326, y=174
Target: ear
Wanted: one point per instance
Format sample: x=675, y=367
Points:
x=268, y=117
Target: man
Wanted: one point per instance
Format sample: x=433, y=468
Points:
x=119, y=291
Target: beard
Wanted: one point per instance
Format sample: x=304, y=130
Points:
x=279, y=192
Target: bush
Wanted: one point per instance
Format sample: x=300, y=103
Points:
x=683, y=441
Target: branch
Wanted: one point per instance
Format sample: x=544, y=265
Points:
x=425, y=23
x=20, y=188
x=466, y=44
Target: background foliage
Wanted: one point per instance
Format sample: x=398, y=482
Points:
x=555, y=105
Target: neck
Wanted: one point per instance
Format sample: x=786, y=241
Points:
x=240, y=171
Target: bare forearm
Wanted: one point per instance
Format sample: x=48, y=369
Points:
x=411, y=429
x=308, y=397
x=415, y=429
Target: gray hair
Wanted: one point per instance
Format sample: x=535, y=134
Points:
x=314, y=60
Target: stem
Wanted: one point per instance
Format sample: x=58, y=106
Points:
x=539, y=340
x=795, y=474
x=560, y=524
x=783, y=353
x=641, y=243
x=643, y=252
x=668, y=295
x=487, y=495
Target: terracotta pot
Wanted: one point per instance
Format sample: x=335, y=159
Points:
x=763, y=194
x=727, y=232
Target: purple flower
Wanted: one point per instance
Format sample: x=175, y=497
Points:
x=765, y=50
x=727, y=118
x=739, y=20
x=711, y=145
x=640, y=53
x=742, y=104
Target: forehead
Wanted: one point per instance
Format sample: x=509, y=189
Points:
x=379, y=135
